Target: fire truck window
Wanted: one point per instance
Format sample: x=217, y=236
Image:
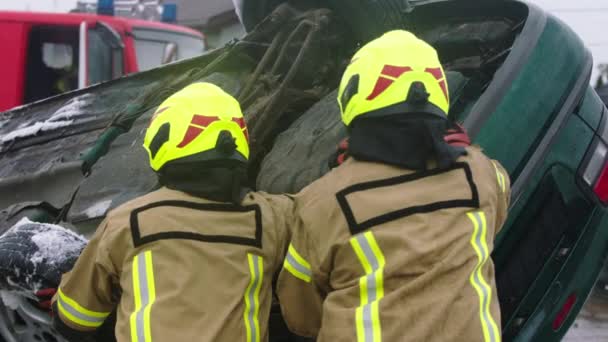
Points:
x=100, y=59
x=155, y=47
x=149, y=53
x=52, y=62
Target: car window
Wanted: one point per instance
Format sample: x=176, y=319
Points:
x=156, y=47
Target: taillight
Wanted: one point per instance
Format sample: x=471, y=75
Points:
x=601, y=186
x=563, y=313
x=595, y=170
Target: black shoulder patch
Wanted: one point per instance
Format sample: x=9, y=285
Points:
x=253, y=241
x=358, y=227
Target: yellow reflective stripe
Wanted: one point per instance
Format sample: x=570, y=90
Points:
x=152, y=296
x=137, y=297
x=144, y=289
x=371, y=285
x=292, y=251
x=500, y=177
x=297, y=265
x=360, y=324
x=80, y=308
x=490, y=329
x=376, y=321
x=252, y=297
x=71, y=310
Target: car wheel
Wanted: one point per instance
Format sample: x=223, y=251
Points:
x=23, y=322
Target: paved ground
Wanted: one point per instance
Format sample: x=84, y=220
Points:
x=592, y=322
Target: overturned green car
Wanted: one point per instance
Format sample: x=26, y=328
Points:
x=518, y=81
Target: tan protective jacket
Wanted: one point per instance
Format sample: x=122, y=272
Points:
x=379, y=253
x=189, y=269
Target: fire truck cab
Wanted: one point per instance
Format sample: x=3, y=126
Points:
x=46, y=54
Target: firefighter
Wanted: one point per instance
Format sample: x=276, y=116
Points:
x=395, y=243
x=194, y=260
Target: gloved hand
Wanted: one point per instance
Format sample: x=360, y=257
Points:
x=457, y=136
x=44, y=299
x=341, y=154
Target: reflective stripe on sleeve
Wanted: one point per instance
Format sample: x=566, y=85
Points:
x=481, y=286
x=296, y=265
x=145, y=295
x=75, y=313
x=252, y=297
x=500, y=177
x=371, y=287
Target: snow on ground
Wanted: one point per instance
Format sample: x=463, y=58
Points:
x=61, y=118
x=98, y=209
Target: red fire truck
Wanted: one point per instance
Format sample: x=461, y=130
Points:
x=45, y=54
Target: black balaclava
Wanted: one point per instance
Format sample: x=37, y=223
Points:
x=410, y=141
x=408, y=134
x=218, y=175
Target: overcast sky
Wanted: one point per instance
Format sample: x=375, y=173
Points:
x=587, y=17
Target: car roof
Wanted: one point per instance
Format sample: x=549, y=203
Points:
x=77, y=18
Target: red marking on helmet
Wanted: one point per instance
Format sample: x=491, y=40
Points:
x=383, y=82
x=202, y=120
x=381, y=85
x=395, y=71
x=436, y=72
x=440, y=77
x=191, y=134
x=197, y=126
x=391, y=72
x=158, y=111
x=241, y=123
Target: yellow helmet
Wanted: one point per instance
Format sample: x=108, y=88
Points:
x=199, y=118
x=396, y=73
